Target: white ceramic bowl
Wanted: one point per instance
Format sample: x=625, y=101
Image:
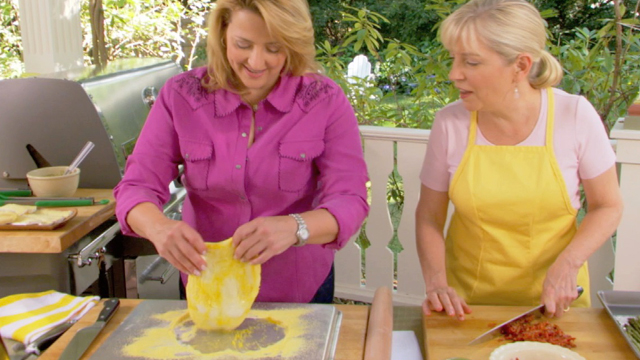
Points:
x=530, y=350
x=50, y=181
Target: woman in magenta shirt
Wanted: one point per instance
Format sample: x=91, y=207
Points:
x=271, y=153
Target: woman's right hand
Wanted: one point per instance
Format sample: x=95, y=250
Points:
x=445, y=298
x=180, y=244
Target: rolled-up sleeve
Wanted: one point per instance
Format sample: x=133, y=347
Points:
x=153, y=163
x=343, y=172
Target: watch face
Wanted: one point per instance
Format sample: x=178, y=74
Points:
x=303, y=234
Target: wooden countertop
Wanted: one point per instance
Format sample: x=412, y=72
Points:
x=597, y=336
x=350, y=341
x=58, y=240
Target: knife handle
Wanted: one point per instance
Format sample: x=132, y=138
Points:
x=63, y=203
x=110, y=307
x=16, y=192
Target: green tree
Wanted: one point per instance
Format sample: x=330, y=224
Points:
x=10, y=43
x=326, y=15
x=573, y=14
x=165, y=29
x=410, y=81
x=409, y=21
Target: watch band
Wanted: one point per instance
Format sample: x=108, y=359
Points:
x=302, y=234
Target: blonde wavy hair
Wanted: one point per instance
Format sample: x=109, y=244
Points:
x=288, y=21
x=508, y=27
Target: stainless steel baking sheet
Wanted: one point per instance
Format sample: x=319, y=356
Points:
x=621, y=305
x=321, y=323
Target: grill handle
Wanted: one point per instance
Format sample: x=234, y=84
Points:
x=147, y=274
x=96, y=248
x=149, y=95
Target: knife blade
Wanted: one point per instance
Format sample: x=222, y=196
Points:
x=84, y=337
x=42, y=342
x=536, y=311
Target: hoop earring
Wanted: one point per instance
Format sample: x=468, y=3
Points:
x=516, y=93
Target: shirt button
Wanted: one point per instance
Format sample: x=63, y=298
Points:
x=244, y=134
x=186, y=156
x=303, y=155
x=238, y=166
x=259, y=128
x=243, y=198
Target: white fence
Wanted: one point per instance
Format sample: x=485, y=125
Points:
x=357, y=281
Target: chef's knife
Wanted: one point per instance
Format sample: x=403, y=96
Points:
x=15, y=192
x=537, y=311
x=42, y=342
x=84, y=337
x=54, y=202
x=4, y=196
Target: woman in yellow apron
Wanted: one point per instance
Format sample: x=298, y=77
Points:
x=510, y=156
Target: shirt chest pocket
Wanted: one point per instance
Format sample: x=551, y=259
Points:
x=197, y=163
x=297, y=168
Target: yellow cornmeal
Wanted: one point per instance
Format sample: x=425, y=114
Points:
x=180, y=339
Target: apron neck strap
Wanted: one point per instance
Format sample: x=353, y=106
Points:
x=473, y=127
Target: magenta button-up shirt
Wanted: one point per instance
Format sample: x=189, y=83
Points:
x=307, y=154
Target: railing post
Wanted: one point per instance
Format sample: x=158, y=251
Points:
x=627, y=266
x=51, y=35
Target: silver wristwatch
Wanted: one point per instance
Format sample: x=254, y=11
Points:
x=303, y=233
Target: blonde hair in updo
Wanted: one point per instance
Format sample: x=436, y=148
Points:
x=508, y=27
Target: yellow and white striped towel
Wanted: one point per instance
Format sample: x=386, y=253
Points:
x=25, y=316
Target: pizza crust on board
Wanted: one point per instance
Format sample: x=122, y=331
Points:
x=15, y=214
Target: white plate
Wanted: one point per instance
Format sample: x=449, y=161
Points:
x=531, y=350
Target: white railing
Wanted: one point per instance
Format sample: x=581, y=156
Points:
x=628, y=244
x=358, y=281
x=379, y=264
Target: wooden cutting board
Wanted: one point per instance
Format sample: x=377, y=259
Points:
x=596, y=334
x=58, y=240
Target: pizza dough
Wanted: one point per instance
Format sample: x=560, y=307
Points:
x=18, y=209
x=42, y=217
x=7, y=217
x=221, y=297
x=16, y=214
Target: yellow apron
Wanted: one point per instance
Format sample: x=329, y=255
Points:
x=512, y=218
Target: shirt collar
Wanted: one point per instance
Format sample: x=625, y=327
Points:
x=284, y=93
x=281, y=97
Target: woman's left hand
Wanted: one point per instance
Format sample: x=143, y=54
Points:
x=260, y=239
x=559, y=289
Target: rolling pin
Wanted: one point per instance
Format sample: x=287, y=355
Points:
x=380, y=327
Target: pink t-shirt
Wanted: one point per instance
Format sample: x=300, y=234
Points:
x=581, y=144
